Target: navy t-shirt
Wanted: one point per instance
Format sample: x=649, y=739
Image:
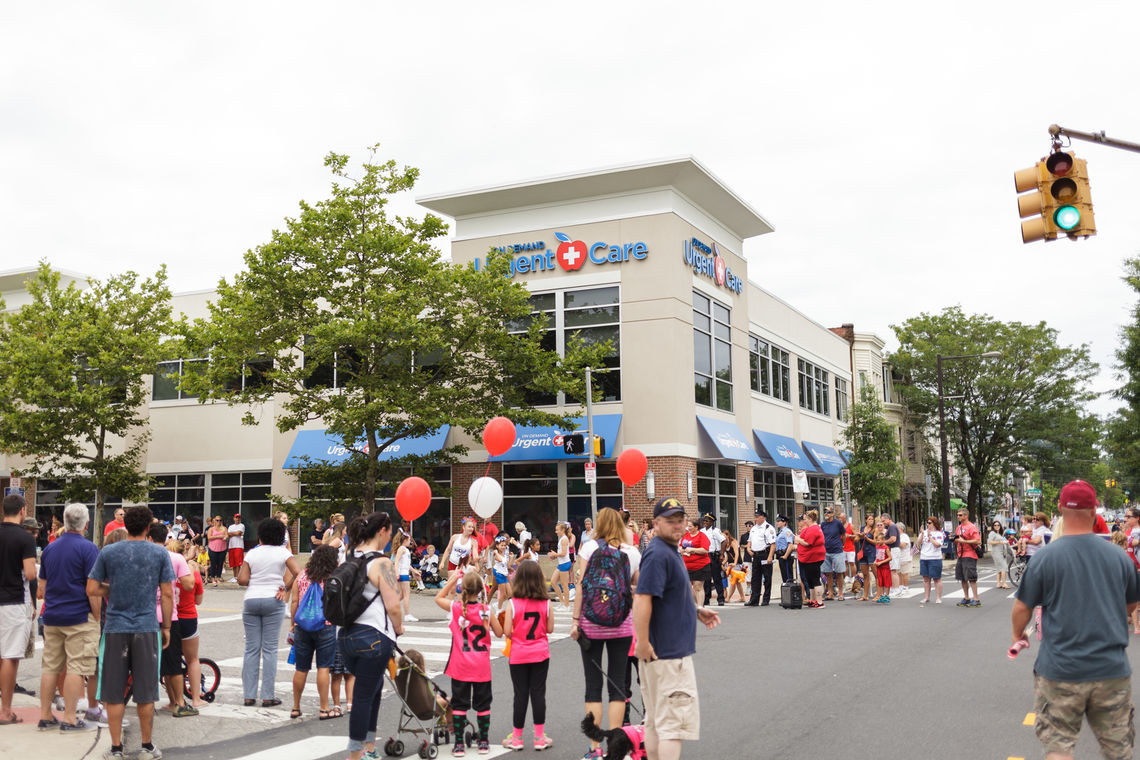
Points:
x=892, y=530
x=1083, y=585
x=134, y=570
x=673, y=625
x=833, y=534
x=16, y=545
x=64, y=567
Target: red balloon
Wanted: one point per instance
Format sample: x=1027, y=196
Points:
x=413, y=496
x=499, y=436
x=631, y=466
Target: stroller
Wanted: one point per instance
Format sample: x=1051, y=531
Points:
x=422, y=701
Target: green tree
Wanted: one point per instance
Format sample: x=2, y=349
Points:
x=995, y=407
x=351, y=316
x=1123, y=428
x=72, y=397
x=876, y=470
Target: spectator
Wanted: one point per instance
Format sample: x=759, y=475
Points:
x=866, y=556
x=335, y=537
x=17, y=570
x=236, y=545
x=999, y=550
x=180, y=531
x=130, y=573
x=834, y=566
x=716, y=543
x=321, y=643
x=70, y=617
x=171, y=659
x=116, y=523
x=811, y=551
x=318, y=534
x=734, y=568
x=930, y=559
x=1039, y=536
x=892, y=543
x=665, y=623
x=905, y=564
x=967, y=538
x=286, y=542
x=267, y=587
x=695, y=553
x=848, y=546
x=216, y=546
x=1086, y=590
x=187, y=608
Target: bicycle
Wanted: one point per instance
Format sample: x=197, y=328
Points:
x=211, y=678
x=1017, y=569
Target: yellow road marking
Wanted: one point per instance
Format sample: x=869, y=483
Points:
x=1030, y=719
x=1015, y=758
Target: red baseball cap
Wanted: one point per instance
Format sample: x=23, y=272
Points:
x=237, y=515
x=1078, y=494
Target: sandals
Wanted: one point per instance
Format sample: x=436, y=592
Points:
x=330, y=714
x=10, y=721
x=297, y=714
x=270, y=702
x=249, y=702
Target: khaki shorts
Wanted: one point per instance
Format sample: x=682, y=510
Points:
x=1062, y=705
x=15, y=631
x=669, y=688
x=71, y=648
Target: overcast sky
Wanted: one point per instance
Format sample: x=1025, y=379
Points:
x=880, y=139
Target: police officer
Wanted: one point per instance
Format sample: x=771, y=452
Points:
x=716, y=539
x=762, y=542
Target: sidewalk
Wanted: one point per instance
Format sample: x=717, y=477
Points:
x=25, y=740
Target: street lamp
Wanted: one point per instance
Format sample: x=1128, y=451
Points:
x=942, y=426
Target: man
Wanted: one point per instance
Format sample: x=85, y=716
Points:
x=236, y=545
x=317, y=535
x=116, y=523
x=130, y=574
x=171, y=660
x=762, y=544
x=716, y=539
x=71, y=620
x=834, y=566
x=1086, y=588
x=665, y=621
x=966, y=538
x=892, y=532
x=181, y=530
x=17, y=570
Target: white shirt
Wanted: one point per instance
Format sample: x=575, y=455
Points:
x=760, y=537
x=266, y=570
x=715, y=537
x=238, y=541
x=374, y=614
x=524, y=536
x=928, y=549
x=632, y=552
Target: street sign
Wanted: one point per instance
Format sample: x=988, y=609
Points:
x=16, y=482
x=845, y=480
x=1033, y=492
x=591, y=472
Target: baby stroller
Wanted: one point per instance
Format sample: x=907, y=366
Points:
x=422, y=702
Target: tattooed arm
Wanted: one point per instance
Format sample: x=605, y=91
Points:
x=382, y=573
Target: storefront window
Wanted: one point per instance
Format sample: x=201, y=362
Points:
x=774, y=489
x=712, y=353
x=180, y=495
x=435, y=524
x=609, y=490
x=716, y=493
x=245, y=493
x=530, y=494
x=49, y=503
x=821, y=490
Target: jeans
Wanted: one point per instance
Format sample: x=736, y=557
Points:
x=366, y=654
x=262, y=621
x=217, y=562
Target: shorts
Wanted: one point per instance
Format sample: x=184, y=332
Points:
x=1061, y=706
x=501, y=579
x=930, y=568
x=565, y=566
x=322, y=644
x=237, y=557
x=833, y=563
x=171, y=658
x=700, y=576
x=896, y=557
x=338, y=667
x=403, y=578
x=187, y=628
x=906, y=564
x=15, y=631
x=133, y=654
x=669, y=689
x=809, y=574
x=849, y=557
x=966, y=570
x=71, y=648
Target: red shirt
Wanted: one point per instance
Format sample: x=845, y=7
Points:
x=698, y=541
x=186, y=606
x=813, y=552
x=848, y=542
x=1101, y=526
x=968, y=531
x=114, y=524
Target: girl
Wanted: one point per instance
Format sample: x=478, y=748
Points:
x=188, y=623
x=734, y=567
x=905, y=563
x=336, y=540
x=560, y=578
x=500, y=568
x=531, y=549
x=883, y=566
x=463, y=545
x=404, y=575
x=469, y=663
x=306, y=644
x=530, y=614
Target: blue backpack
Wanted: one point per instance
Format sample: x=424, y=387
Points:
x=607, y=597
x=310, y=611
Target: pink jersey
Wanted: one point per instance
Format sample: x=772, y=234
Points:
x=528, y=630
x=470, y=658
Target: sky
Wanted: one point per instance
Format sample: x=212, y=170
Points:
x=879, y=139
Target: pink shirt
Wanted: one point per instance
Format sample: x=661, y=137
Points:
x=470, y=657
x=178, y=562
x=528, y=630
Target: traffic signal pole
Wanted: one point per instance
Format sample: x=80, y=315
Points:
x=590, y=439
x=1098, y=137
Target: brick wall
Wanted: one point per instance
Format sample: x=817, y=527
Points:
x=462, y=476
x=669, y=480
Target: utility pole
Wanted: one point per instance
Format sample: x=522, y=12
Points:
x=1099, y=137
x=591, y=464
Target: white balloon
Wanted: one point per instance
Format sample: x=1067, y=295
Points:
x=485, y=496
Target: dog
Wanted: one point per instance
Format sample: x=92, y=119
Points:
x=628, y=741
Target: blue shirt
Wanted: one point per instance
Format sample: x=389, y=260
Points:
x=783, y=538
x=673, y=625
x=1083, y=585
x=833, y=535
x=64, y=566
x=134, y=570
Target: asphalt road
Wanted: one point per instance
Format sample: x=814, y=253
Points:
x=854, y=680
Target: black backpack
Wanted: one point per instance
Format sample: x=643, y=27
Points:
x=344, y=600
x=606, y=594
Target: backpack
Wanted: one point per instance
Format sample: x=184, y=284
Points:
x=310, y=610
x=606, y=594
x=343, y=598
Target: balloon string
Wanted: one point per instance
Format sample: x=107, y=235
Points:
x=488, y=470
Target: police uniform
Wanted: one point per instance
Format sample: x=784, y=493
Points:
x=761, y=539
x=716, y=540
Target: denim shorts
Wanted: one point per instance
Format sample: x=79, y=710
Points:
x=930, y=568
x=834, y=563
x=306, y=644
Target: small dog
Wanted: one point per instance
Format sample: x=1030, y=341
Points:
x=628, y=741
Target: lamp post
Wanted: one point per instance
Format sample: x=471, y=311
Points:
x=942, y=426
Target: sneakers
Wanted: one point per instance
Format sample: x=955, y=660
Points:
x=542, y=742
x=594, y=753
x=884, y=599
x=512, y=742
x=113, y=755
x=975, y=603
x=963, y=603
x=57, y=704
x=938, y=601
x=459, y=749
x=97, y=715
x=484, y=746
x=149, y=754
x=184, y=711
x=372, y=754
x=411, y=619
x=45, y=725
x=78, y=725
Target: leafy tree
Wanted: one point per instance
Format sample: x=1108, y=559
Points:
x=876, y=471
x=1123, y=438
x=351, y=316
x=996, y=408
x=72, y=396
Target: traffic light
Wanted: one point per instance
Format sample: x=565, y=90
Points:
x=575, y=443
x=599, y=446
x=1061, y=203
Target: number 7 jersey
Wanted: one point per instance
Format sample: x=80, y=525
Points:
x=528, y=630
x=470, y=657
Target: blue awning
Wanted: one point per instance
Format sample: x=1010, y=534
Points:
x=784, y=451
x=847, y=455
x=545, y=443
x=826, y=457
x=320, y=447
x=729, y=441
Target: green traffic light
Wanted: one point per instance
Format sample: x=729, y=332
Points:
x=1067, y=217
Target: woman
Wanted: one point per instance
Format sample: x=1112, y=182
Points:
x=322, y=643
x=999, y=547
x=403, y=559
x=587, y=531
x=560, y=578
x=905, y=565
x=809, y=547
x=524, y=537
x=188, y=622
x=930, y=542
x=216, y=546
x=335, y=539
x=646, y=535
x=463, y=546
x=866, y=556
x=733, y=566
x=1040, y=536
x=615, y=640
x=695, y=553
x=368, y=643
x=267, y=588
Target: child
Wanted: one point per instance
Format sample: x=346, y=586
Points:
x=429, y=567
x=531, y=549
x=500, y=569
x=560, y=578
x=882, y=566
x=404, y=573
x=469, y=663
x=528, y=621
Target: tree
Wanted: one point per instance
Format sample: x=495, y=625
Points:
x=995, y=408
x=72, y=396
x=876, y=470
x=1123, y=438
x=352, y=317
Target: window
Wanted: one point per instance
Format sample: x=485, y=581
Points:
x=179, y=495
x=769, y=369
x=435, y=523
x=333, y=372
x=887, y=389
x=716, y=493
x=774, y=489
x=246, y=493
x=841, y=399
x=49, y=503
x=815, y=391
x=166, y=379
x=911, y=447
x=530, y=494
x=712, y=353
x=821, y=490
x=253, y=374
x=545, y=309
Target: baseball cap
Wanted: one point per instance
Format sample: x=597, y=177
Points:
x=178, y=518
x=1078, y=494
x=667, y=507
x=238, y=514
x=30, y=523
